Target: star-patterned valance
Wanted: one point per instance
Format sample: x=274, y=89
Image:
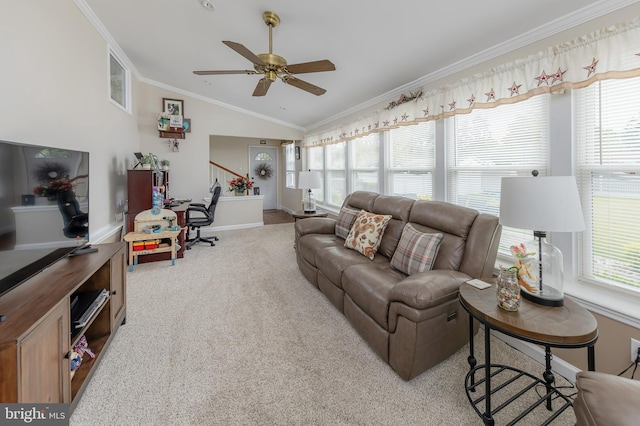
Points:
x=609, y=53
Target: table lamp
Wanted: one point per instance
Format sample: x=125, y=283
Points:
x=543, y=204
x=309, y=180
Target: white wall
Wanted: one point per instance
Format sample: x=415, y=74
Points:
x=54, y=91
x=190, y=166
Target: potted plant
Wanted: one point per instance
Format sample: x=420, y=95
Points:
x=165, y=164
x=147, y=161
x=240, y=185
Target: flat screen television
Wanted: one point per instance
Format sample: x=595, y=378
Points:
x=44, y=208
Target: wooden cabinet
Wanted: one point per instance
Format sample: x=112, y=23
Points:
x=43, y=358
x=140, y=185
x=37, y=336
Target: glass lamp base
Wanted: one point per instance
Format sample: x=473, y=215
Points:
x=549, y=296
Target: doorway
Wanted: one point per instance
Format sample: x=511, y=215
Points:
x=263, y=165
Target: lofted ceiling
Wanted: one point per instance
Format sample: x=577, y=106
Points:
x=378, y=47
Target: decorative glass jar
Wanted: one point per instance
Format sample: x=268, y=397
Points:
x=508, y=290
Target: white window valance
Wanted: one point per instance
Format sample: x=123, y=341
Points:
x=610, y=53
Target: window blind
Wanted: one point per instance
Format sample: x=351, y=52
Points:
x=365, y=163
x=336, y=173
x=607, y=125
x=411, y=160
x=315, y=162
x=486, y=145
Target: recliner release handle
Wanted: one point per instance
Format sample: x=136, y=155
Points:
x=451, y=316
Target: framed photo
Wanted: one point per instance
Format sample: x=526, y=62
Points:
x=256, y=190
x=173, y=106
x=297, y=152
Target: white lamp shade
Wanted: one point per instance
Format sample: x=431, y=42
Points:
x=543, y=203
x=309, y=180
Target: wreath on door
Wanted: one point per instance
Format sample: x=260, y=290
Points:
x=264, y=171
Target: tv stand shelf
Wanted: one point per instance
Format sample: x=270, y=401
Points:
x=36, y=337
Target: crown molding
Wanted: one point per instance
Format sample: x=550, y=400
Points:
x=220, y=104
x=115, y=48
x=556, y=26
x=113, y=45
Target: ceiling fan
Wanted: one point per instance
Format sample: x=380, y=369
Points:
x=273, y=66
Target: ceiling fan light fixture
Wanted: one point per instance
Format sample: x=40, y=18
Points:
x=207, y=4
x=273, y=66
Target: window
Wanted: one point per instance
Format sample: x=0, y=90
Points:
x=485, y=145
x=119, y=83
x=290, y=163
x=315, y=157
x=410, y=161
x=365, y=163
x=607, y=125
x=336, y=173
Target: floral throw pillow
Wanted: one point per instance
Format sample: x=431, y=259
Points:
x=366, y=233
x=416, y=251
x=346, y=217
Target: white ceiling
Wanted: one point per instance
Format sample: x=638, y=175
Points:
x=378, y=47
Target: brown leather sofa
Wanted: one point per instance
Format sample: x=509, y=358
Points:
x=606, y=400
x=412, y=322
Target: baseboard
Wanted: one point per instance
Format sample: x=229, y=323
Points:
x=535, y=352
x=231, y=227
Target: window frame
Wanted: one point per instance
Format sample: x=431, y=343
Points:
x=124, y=74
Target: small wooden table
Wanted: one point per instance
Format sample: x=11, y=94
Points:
x=568, y=326
x=301, y=214
x=132, y=237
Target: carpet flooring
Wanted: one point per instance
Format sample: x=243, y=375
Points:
x=234, y=335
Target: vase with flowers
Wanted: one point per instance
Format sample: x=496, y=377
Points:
x=240, y=185
x=52, y=188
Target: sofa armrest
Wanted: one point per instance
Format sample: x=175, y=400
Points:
x=427, y=289
x=605, y=399
x=315, y=225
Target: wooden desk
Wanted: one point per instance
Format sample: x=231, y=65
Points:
x=568, y=326
x=132, y=237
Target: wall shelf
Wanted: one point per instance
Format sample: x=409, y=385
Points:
x=170, y=135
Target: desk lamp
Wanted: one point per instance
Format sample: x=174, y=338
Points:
x=543, y=204
x=309, y=180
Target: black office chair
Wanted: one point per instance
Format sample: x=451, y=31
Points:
x=197, y=216
x=76, y=222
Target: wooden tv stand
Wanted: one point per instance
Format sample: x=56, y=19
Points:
x=37, y=337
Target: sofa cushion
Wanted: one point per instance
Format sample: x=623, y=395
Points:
x=309, y=245
x=366, y=233
x=416, y=251
x=346, y=217
x=333, y=261
x=398, y=208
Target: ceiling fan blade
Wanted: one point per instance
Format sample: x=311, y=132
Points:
x=301, y=84
x=262, y=87
x=220, y=72
x=244, y=52
x=315, y=66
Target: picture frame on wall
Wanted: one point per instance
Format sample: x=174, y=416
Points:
x=173, y=106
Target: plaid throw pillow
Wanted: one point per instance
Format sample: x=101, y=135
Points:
x=416, y=251
x=346, y=217
x=366, y=233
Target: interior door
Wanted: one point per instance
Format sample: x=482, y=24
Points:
x=263, y=166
